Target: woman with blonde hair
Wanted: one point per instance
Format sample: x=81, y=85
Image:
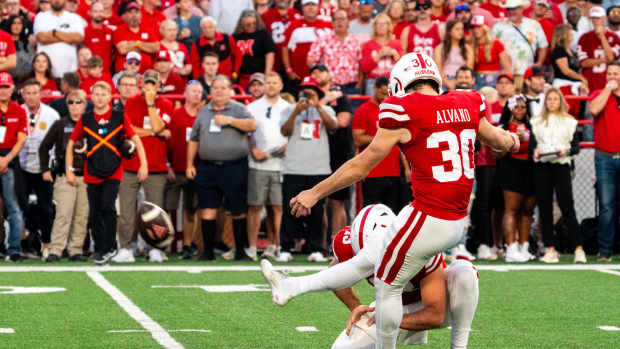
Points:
x=553, y=142
x=381, y=52
x=567, y=67
x=489, y=54
x=396, y=11
x=453, y=53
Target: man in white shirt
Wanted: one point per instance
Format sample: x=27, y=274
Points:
x=58, y=34
x=41, y=117
x=534, y=81
x=265, y=177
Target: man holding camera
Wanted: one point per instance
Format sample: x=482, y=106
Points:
x=305, y=164
x=104, y=129
x=150, y=116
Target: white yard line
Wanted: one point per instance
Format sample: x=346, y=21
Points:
x=142, y=331
x=6, y=330
x=159, y=334
x=292, y=269
x=612, y=272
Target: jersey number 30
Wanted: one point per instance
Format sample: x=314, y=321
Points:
x=459, y=154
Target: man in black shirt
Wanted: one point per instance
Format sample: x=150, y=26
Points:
x=70, y=82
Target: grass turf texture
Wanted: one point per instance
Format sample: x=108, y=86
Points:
x=517, y=309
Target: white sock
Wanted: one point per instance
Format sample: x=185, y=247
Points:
x=341, y=275
x=462, y=282
x=388, y=313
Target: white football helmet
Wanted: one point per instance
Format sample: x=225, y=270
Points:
x=370, y=219
x=412, y=67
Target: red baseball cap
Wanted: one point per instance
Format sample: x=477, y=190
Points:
x=506, y=75
x=6, y=79
x=532, y=71
x=310, y=82
x=163, y=55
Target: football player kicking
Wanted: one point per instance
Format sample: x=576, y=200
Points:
x=435, y=298
x=436, y=132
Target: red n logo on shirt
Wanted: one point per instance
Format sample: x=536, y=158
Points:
x=245, y=46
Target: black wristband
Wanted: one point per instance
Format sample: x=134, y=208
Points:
x=54, y=32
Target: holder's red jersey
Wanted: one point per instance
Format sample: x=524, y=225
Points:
x=411, y=294
x=443, y=130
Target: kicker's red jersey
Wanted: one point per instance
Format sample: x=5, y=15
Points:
x=411, y=294
x=443, y=130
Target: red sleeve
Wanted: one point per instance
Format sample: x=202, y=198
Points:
x=23, y=121
x=78, y=131
x=615, y=45
x=392, y=114
x=10, y=49
x=367, y=63
x=582, y=49
x=498, y=47
x=343, y=251
x=360, y=119
x=129, y=131
x=195, y=58
x=594, y=95
x=184, y=50
x=237, y=55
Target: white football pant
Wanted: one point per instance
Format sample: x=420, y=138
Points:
x=462, y=301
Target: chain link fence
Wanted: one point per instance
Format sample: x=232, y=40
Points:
x=584, y=192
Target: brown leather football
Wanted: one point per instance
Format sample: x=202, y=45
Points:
x=154, y=225
x=127, y=149
x=80, y=146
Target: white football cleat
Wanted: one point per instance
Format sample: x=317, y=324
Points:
x=525, y=250
x=317, y=257
x=157, y=256
x=284, y=257
x=271, y=251
x=124, y=255
x=513, y=254
x=485, y=253
x=274, y=279
x=461, y=250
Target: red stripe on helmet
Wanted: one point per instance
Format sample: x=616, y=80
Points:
x=361, y=232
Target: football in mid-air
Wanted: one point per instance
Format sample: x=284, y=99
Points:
x=154, y=225
x=127, y=149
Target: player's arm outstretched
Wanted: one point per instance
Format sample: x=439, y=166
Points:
x=496, y=137
x=352, y=170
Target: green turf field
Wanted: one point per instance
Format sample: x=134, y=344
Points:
x=550, y=308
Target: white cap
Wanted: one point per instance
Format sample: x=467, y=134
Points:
x=304, y=2
x=597, y=12
x=514, y=4
x=134, y=55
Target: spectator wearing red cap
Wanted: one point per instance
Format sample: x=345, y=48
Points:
x=171, y=83
x=505, y=89
x=534, y=89
x=8, y=58
x=380, y=53
x=181, y=126
x=382, y=182
x=299, y=38
x=306, y=162
x=489, y=54
x=423, y=35
x=179, y=55
x=13, y=130
x=42, y=72
x=58, y=33
x=606, y=110
x=151, y=15
x=276, y=20
x=96, y=73
x=134, y=35
x=223, y=45
x=98, y=36
x=256, y=46
x=597, y=48
x=150, y=116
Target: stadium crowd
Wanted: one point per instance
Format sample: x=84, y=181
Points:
x=234, y=109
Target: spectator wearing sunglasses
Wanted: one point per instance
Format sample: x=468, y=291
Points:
x=70, y=82
x=13, y=131
x=71, y=218
x=131, y=65
x=423, y=35
x=40, y=118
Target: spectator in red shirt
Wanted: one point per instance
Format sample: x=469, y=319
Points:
x=134, y=36
x=110, y=16
x=178, y=52
x=103, y=170
x=84, y=54
x=597, y=48
x=489, y=54
x=98, y=36
x=151, y=16
x=383, y=182
x=380, y=53
x=396, y=12
x=223, y=44
x=299, y=36
x=276, y=20
x=256, y=46
x=438, y=11
x=96, y=73
x=170, y=82
x=13, y=130
x=552, y=11
x=42, y=72
x=8, y=59
x=423, y=35
x=150, y=116
x=180, y=127
x=541, y=9
x=495, y=8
